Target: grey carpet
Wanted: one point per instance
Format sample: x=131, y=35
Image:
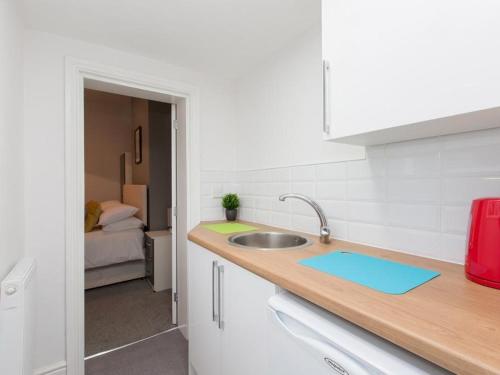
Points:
x=122, y=313
x=166, y=354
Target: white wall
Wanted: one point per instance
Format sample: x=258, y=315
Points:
x=411, y=196
x=279, y=110
x=11, y=136
x=44, y=160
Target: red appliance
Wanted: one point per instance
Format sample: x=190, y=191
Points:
x=482, y=264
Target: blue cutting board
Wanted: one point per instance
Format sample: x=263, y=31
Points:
x=380, y=274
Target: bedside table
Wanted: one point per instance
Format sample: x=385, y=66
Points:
x=159, y=259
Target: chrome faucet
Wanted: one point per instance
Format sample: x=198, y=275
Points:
x=324, y=231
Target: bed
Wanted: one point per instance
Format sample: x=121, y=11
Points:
x=113, y=257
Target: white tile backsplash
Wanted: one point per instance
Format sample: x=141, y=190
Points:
x=303, y=173
x=471, y=139
x=452, y=246
x=413, y=166
x=413, y=241
x=244, y=213
x=374, y=190
x=335, y=190
x=206, y=189
x=463, y=190
x=263, y=216
x=217, y=190
x=455, y=219
x=339, y=229
x=477, y=161
x=367, y=212
x=411, y=148
x=334, y=171
x=209, y=202
x=418, y=216
x=280, y=219
x=421, y=190
x=283, y=207
x=411, y=196
x=368, y=168
x=263, y=203
x=367, y=233
x=305, y=188
x=334, y=209
x=308, y=224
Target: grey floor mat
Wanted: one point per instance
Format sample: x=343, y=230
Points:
x=119, y=314
x=166, y=354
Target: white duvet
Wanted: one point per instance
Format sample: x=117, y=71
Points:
x=105, y=248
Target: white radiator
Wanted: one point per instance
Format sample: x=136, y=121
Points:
x=17, y=314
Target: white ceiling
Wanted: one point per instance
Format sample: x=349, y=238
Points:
x=225, y=37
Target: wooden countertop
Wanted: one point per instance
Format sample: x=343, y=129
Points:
x=450, y=320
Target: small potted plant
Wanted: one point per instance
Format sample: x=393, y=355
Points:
x=231, y=202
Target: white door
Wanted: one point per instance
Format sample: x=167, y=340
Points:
x=244, y=316
x=174, y=127
x=204, y=332
x=182, y=217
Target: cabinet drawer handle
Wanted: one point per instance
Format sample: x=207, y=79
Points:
x=214, y=315
x=221, y=293
x=326, y=97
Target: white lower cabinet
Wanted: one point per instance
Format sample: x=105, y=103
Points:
x=204, y=334
x=227, y=316
x=243, y=344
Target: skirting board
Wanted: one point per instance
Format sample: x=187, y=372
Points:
x=58, y=368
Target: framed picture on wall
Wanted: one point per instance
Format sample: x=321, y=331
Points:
x=138, y=145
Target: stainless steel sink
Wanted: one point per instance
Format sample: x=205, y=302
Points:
x=269, y=241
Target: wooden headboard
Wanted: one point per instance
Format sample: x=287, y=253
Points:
x=137, y=196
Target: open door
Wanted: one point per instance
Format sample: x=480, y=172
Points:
x=174, y=213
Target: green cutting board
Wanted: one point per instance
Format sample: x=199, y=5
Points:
x=228, y=228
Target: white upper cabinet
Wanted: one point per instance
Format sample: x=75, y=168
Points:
x=401, y=70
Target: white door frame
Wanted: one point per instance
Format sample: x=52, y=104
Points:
x=173, y=174
x=77, y=71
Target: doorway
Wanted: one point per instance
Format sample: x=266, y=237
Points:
x=183, y=99
x=129, y=273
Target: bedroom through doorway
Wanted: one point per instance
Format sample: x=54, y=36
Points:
x=134, y=173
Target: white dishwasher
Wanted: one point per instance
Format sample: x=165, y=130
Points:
x=305, y=339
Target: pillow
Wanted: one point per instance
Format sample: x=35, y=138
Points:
x=117, y=213
x=92, y=212
x=108, y=204
x=126, y=224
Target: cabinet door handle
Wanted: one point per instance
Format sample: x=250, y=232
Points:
x=214, y=314
x=326, y=97
x=220, y=281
